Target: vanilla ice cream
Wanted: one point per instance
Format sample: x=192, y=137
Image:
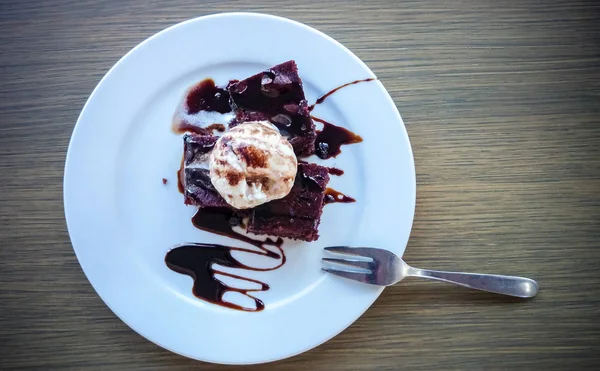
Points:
x=252, y=164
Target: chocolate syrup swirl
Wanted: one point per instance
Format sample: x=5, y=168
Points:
x=197, y=259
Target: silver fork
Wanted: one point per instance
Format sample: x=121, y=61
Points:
x=383, y=268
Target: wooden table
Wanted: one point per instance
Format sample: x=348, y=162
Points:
x=502, y=103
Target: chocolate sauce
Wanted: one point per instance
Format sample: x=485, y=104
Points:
x=331, y=138
x=273, y=95
x=332, y=196
x=335, y=171
x=220, y=220
x=313, y=183
x=325, y=96
x=206, y=96
x=267, y=93
x=196, y=259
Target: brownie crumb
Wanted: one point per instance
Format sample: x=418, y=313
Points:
x=164, y=180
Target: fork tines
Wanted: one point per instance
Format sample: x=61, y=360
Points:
x=348, y=263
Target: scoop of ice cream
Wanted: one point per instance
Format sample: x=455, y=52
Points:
x=252, y=164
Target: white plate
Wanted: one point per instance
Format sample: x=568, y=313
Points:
x=122, y=219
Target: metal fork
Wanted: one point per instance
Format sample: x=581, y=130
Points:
x=383, y=268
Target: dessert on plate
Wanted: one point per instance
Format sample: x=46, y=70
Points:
x=251, y=167
x=242, y=150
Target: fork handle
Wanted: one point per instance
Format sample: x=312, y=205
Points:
x=508, y=285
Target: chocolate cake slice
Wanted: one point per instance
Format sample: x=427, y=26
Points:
x=197, y=187
x=298, y=214
x=276, y=95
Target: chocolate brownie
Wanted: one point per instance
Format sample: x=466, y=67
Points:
x=298, y=214
x=276, y=95
x=198, y=189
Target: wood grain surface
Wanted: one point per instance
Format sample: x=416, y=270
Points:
x=501, y=100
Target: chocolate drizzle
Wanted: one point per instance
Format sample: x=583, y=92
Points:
x=204, y=96
x=335, y=171
x=220, y=220
x=332, y=196
x=197, y=259
x=331, y=138
x=322, y=98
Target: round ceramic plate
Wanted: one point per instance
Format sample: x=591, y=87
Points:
x=122, y=219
